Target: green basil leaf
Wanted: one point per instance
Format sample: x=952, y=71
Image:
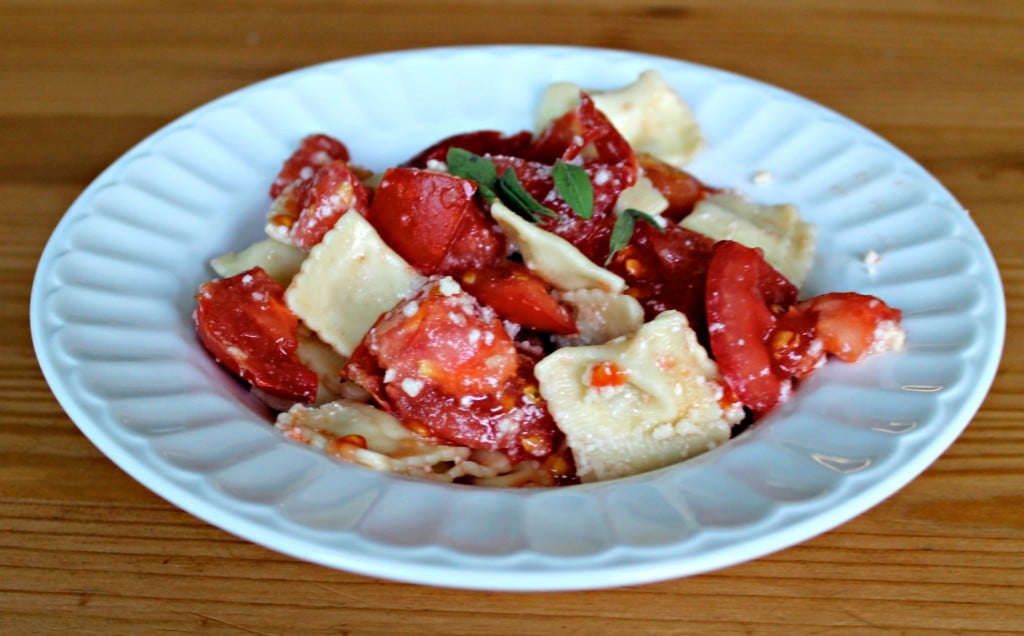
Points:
x=573, y=184
x=621, y=233
x=465, y=164
x=514, y=195
x=640, y=214
x=623, y=230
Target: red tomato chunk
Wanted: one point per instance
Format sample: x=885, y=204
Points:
x=745, y=295
x=321, y=201
x=245, y=325
x=315, y=152
x=444, y=365
x=518, y=295
x=851, y=325
x=762, y=339
x=432, y=220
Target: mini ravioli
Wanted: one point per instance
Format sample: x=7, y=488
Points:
x=349, y=279
x=788, y=242
x=641, y=196
x=365, y=435
x=368, y=436
x=648, y=113
x=663, y=408
x=553, y=258
x=280, y=261
x=600, y=316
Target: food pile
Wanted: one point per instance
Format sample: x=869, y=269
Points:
x=531, y=309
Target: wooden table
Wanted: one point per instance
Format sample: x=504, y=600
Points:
x=85, y=549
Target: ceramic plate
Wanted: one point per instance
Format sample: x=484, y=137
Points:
x=113, y=298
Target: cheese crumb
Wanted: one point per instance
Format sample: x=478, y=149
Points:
x=448, y=287
x=411, y=386
x=870, y=259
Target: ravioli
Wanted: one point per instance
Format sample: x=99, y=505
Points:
x=553, y=258
x=349, y=279
x=666, y=409
x=787, y=241
x=648, y=113
x=280, y=261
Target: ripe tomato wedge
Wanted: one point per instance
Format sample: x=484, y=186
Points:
x=432, y=221
x=667, y=270
x=682, y=190
x=246, y=326
x=313, y=153
x=744, y=298
x=445, y=367
x=481, y=142
x=584, y=131
x=852, y=326
x=334, y=190
x=520, y=296
x=443, y=337
x=514, y=419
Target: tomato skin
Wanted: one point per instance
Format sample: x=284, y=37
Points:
x=446, y=368
x=313, y=153
x=481, y=142
x=514, y=419
x=582, y=132
x=667, y=270
x=520, y=296
x=334, y=190
x=743, y=299
x=681, y=189
x=446, y=339
x=432, y=220
x=477, y=244
x=794, y=345
x=847, y=322
x=246, y=326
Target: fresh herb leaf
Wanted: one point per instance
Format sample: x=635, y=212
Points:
x=465, y=164
x=482, y=171
x=623, y=229
x=514, y=195
x=652, y=221
x=573, y=184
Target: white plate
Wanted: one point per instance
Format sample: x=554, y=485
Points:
x=113, y=298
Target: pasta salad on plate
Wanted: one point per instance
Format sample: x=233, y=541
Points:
x=547, y=307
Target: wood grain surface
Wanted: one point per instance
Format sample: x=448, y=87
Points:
x=84, y=549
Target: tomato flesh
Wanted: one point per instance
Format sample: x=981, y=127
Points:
x=514, y=419
x=313, y=153
x=667, y=269
x=246, y=326
x=520, y=296
x=794, y=345
x=582, y=132
x=445, y=367
x=446, y=338
x=744, y=296
x=848, y=323
x=334, y=190
x=432, y=220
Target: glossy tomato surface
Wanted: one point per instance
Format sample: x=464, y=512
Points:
x=245, y=325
